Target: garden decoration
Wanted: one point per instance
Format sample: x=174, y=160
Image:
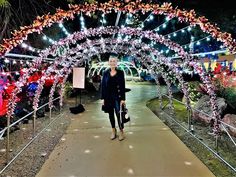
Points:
x=166, y=9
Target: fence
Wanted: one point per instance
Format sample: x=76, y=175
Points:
x=196, y=129
x=33, y=137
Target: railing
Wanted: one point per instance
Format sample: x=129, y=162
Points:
x=34, y=135
x=189, y=126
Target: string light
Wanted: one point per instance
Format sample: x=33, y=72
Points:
x=30, y=48
x=46, y=38
x=151, y=17
x=164, y=25
x=198, y=41
x=63, y=29
x=6, y=60
x=203, y=53
x=119, y=36
x=167, y=19
x=24, y=45
x=82, y=22
x=146, y=19
x=103, y=21
x=182, y=31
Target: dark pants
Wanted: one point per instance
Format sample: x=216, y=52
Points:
x=116, y=110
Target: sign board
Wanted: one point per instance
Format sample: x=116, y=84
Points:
x=79, y=78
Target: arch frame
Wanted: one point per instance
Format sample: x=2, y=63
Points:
x=133, y=7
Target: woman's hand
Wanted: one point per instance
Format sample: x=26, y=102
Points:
x=122, y=102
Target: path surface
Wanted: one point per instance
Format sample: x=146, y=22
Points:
x=150, y=147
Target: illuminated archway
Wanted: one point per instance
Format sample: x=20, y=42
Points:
x=132, y=7
x=48, y=20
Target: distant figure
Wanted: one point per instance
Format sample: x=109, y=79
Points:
x=113, y=95
x=218, y=68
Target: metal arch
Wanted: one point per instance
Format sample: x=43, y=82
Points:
x=104, y=63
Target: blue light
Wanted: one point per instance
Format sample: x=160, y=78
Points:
x=60, y=25
x=45, y=38
x=32, y=87
x=81, y=18
x=151, y=17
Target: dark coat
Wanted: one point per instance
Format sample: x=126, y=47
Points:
x=120, y=86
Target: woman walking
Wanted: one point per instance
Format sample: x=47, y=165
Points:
x=113, y=95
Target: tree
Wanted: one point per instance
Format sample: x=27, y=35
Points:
x=4, y=4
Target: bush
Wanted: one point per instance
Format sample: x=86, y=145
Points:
x=229, y=95
x=68, y=89
x=194, y=91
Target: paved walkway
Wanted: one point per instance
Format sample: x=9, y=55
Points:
x=150, y=147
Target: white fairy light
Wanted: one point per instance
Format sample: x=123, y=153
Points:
x=6, y=60
x=60, y=25
x=64, y=29
x=45, y=37
x=151, y=17
x=24, y=45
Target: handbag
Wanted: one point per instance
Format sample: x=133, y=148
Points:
x=77, y=109
x=105, y=109
x=124, y=114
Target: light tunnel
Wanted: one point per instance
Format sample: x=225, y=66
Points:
x=147, y=55
x=42, y=80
